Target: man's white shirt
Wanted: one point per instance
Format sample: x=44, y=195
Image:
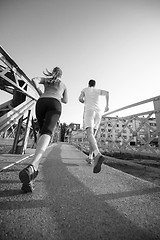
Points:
x=92, y=99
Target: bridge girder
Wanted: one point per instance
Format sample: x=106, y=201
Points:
x=14, y=81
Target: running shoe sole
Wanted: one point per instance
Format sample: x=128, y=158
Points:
x=97, y=167
x=26, y=175
x=26, y=188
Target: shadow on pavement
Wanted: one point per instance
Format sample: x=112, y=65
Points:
x=81, y=214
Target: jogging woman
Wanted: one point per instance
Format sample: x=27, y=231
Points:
x=48, y=112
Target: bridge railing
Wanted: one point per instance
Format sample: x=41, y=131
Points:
x=137, y=133
x=18, y=112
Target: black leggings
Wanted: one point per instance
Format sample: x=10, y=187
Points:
x=48, y=111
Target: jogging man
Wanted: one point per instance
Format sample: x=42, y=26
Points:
x=90, y=96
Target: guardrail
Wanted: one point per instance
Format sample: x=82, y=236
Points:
x=137, y=134
x=16, y=115
x=12, y=77
x=19, y=109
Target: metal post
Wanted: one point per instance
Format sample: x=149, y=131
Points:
x=15, y=144
x=26, y=134
x=156, y=103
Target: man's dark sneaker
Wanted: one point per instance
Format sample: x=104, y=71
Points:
x=98, y=160
x=28, y=174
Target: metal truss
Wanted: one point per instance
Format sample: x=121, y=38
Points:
x=18, y=112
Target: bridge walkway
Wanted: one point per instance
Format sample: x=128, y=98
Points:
x=70, y=202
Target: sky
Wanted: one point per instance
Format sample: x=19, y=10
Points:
x=115, y=42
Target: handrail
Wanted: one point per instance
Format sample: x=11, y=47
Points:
x=133, y=105
x=10, y=63
x=11, y=117
x=5, y=104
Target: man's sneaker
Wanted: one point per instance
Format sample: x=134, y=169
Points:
x=98, y=160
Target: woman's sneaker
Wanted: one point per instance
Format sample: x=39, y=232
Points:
x=28, y=174
x=26, y=188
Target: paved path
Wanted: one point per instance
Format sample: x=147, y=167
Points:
x=72, y=203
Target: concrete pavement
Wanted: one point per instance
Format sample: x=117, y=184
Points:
x=70, y=202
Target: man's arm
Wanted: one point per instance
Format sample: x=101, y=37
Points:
x=106, y=94
x=81, y=97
